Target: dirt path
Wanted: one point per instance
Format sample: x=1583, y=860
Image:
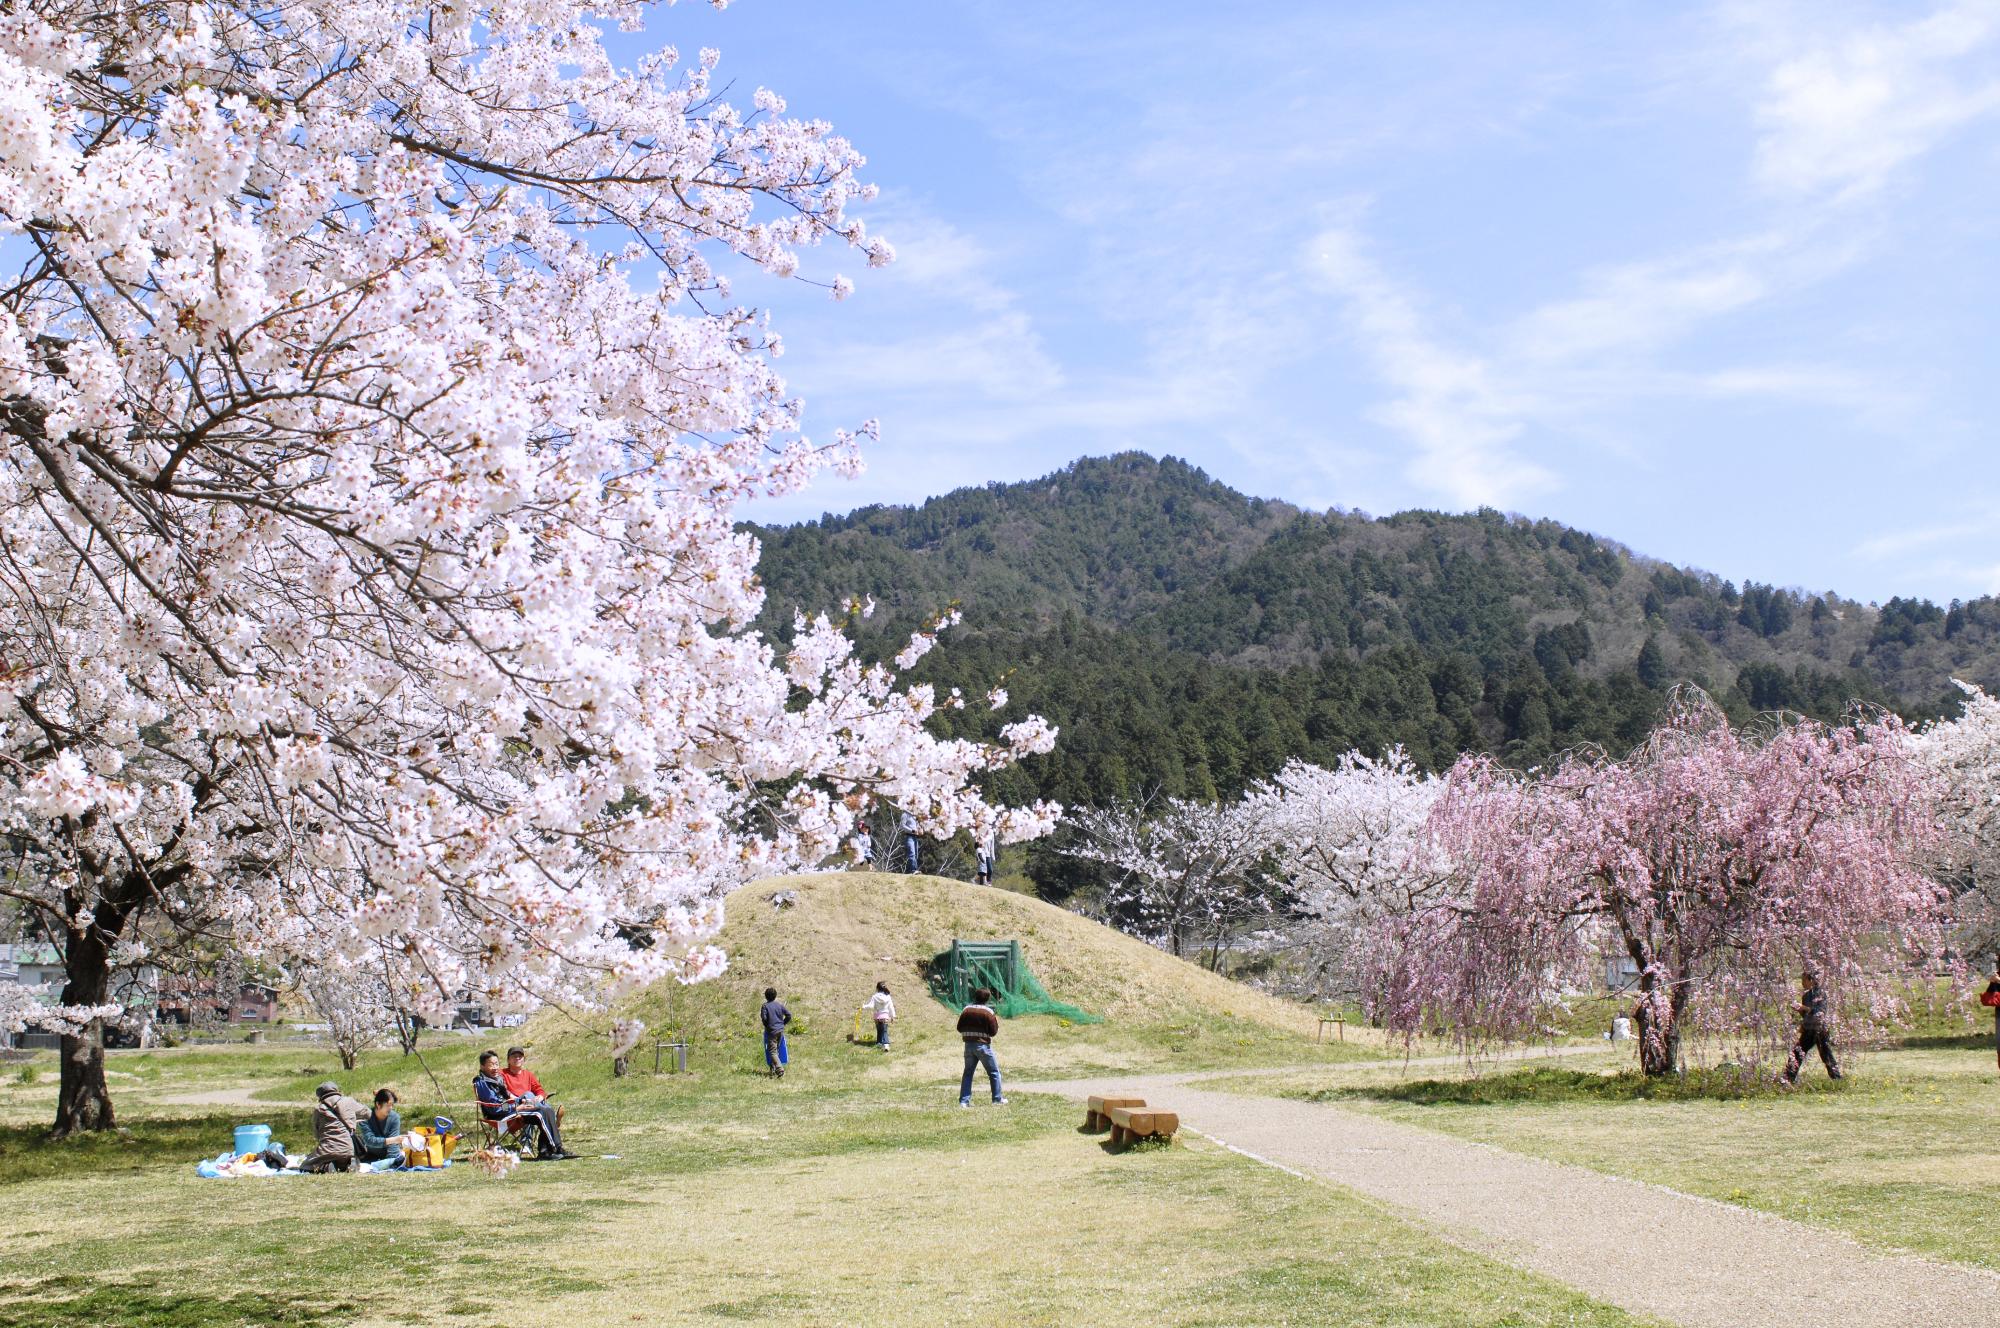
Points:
x=209, y=1097
x=1647, y=1249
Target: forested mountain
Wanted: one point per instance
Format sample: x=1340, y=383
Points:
x=1189, y=639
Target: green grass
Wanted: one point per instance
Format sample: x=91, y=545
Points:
x=1902, y=1154
x=845, y=1193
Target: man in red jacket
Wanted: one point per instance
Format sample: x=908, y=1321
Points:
x=1991, y=999
x=978, y=1025
x=521, y=1081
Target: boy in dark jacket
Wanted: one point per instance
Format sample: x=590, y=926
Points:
x=978, y=1025
x=775, y=1018
x=1815, y=1031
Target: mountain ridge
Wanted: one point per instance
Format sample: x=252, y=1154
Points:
x=1207, y=613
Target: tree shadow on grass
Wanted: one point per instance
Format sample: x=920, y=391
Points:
x=1551, y=1087
x=1946, y=1042
x=37, y=1304
x=28, y=1153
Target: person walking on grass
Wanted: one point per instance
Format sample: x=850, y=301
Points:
x=907, y=823
x=988, y=850
x=883, y=1007
x=1815, y=1031
x=775, y=1018
x=978, y=1025
x=864, y=849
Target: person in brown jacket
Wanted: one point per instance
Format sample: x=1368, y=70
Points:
x=978, y=1025
x=336, y=1127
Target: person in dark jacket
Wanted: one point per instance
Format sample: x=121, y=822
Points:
x=514, y=1115
x=380, y=1133
x=1815, y=1031
x=978, y=1026
x=775, y=1018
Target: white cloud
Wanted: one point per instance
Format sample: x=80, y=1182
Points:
x=1842, y=115
x=1450, y=405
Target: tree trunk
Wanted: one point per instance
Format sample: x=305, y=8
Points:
x=407, y=1028
x=1657, y=1019
x=84, y=1101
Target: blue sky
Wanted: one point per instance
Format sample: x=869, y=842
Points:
x=1716, y=281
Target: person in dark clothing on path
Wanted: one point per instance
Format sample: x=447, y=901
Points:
x=1992, y=997
x=775, y=1018
x=978, y=1025
x=1815, y=1031
x=516, y=1115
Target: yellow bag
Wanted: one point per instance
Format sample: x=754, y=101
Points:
x=434, y=1150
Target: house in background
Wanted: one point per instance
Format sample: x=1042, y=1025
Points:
x=191, y=1000
x=39, y=964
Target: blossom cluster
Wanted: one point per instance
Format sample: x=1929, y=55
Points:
x=377, y=416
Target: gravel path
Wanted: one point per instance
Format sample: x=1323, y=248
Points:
x=1643, y=1248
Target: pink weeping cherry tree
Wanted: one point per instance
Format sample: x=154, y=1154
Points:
x=1722, y=861
x=374, y=419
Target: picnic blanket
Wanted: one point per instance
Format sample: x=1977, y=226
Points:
x=229, y=1166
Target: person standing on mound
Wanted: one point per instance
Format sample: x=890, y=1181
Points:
x=978, y=1025
x=775, y=1018
x=908, y=825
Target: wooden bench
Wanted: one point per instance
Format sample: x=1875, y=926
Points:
x=1141, y=1122
x=1097, y=1111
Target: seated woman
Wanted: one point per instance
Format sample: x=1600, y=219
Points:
x=381, y=1132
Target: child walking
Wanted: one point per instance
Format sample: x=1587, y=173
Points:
x=883, y=1007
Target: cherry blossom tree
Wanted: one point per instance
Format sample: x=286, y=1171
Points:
x=1351, y=842
x=1964, y=754
x=1722, y=861
x=354, y=1004
x=1187, y=873
x=376, y=415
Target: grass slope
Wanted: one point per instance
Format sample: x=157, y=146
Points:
x=850, y=930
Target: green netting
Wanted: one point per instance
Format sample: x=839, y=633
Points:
x=998, y=965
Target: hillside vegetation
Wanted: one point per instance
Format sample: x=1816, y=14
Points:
x=847, y=931
x=1189, y=639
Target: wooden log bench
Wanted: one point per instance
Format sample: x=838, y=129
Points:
x=1141, y=1122
x=1097, y=1111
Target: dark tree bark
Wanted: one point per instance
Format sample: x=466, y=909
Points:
x=84, y=1101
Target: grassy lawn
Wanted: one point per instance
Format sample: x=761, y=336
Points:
x=854, y=1191
x=1903, y=1154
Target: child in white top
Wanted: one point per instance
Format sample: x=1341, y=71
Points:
x=883, y=1007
